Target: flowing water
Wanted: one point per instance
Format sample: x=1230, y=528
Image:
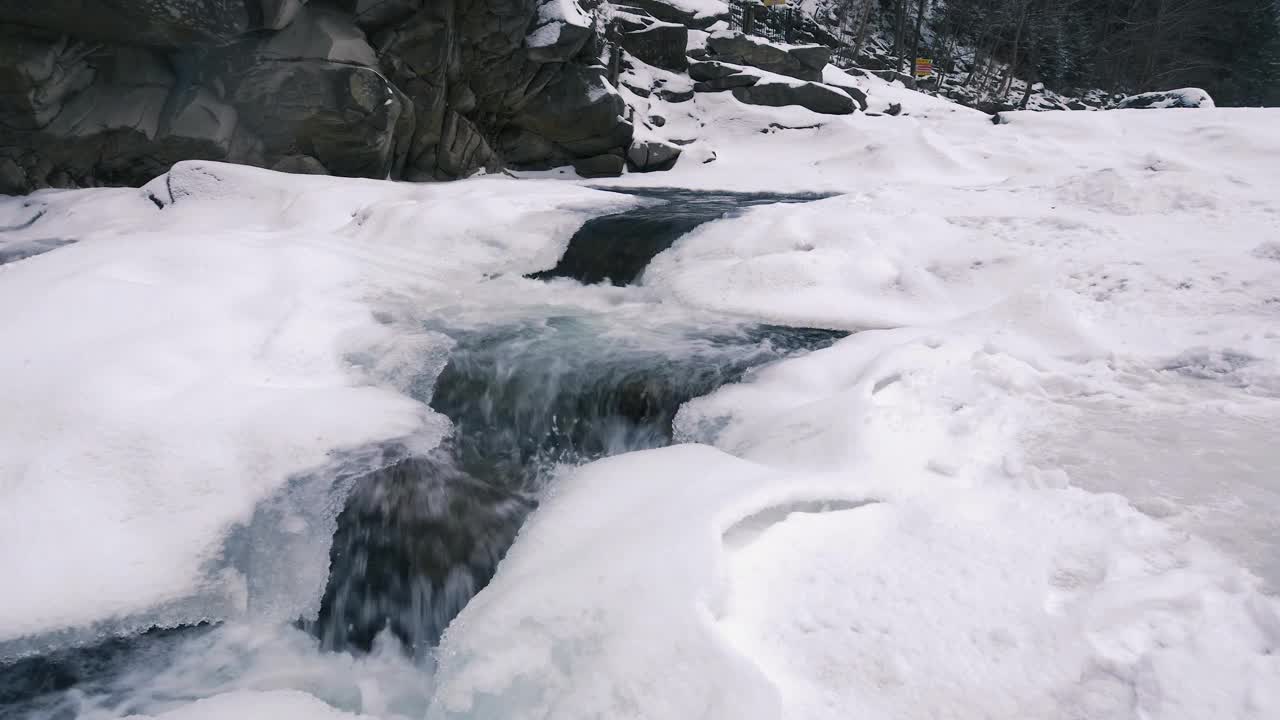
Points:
x=528, y=393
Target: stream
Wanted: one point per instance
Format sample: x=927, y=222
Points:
x=528, y=393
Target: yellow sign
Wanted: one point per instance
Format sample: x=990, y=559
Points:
x=771, y=3
x=924, y=67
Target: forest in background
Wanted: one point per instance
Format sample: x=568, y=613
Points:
x=1231, y=48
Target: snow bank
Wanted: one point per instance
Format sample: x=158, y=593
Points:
x=917, y=521
x=176, y=367
x=762, y=595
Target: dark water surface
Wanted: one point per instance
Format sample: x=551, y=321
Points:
x=617, y=247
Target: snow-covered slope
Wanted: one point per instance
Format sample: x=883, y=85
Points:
x=1040, y=481
x=1077, y=301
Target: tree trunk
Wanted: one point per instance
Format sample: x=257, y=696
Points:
x=915, y=48
x=862, y=28
x=900, y=29
x=1033, y=74
x=1017, y=47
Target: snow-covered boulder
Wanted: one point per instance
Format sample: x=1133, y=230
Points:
x=658, y=43
x=711, y=76
x=810, y=95
x=804, y=62
x=651, y=155
x=1182, y=98
x=699, y=14
x=599, y=166
x=560, y=30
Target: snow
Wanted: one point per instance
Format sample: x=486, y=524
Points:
x=1037, y=483
x=553, y=15
x=1183, y=98
x=699, y=9
x=1039, y=480
x=182, y=365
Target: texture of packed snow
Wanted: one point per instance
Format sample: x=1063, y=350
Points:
x=1038, y=481
x=175, y=367
x=1043, y=489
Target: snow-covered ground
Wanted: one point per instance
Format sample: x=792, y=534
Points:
x=1039, y=481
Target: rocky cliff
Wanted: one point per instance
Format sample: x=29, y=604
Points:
x=114, y=91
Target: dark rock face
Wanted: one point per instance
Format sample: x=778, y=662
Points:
x=599, y=166
x=712, y=70
x=726, y=83
x=858, y=95
x=712, y=76
x=815, y=97
x=652, y=155
x=660, y=44
x=105, y=92
x=802, y=62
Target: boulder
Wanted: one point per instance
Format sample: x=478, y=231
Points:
x=798, y=62
x=711, y=70
x=13, y=180
x=276, y=14
x=814, y=57
x=1183, y=98
x=197, y=117
x=529, y=149
x=659, y=44
x=726, y=83
x=579, y=112
x=673, y=95
x=652, y=155
x=714, y=76
x=345, y=116
x=111, y=91
x=599, y=166
x=315, y=34
x=559, y=32
x=463, y=149
x=37, y=75
x=696, y=14
x=371, y=15
x=300, y=165
x=857, y=94
x=814, y=96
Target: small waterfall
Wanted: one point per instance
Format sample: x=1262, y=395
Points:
x=417, y=540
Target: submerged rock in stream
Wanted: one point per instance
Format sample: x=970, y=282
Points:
x=616, y=248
